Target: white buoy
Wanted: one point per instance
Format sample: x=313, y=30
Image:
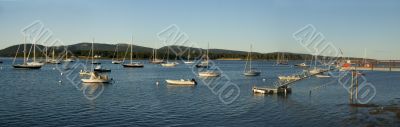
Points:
x=61, y=73
x=54, y=68
x=264, y=79
x=157, y=83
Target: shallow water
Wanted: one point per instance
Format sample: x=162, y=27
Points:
x=38, y=98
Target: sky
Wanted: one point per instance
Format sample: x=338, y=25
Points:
x=358, y=27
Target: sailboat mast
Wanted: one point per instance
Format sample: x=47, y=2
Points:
x=52, y=55
x=251, y=47
x=24, y=50
x=131, y=47
x=34, y=51
x=189, y=54
x=167, y=54
x=92, y=53
x=208, y=47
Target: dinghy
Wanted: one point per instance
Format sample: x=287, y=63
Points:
x=181, y=82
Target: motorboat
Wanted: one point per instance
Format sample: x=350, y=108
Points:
x=181, y=82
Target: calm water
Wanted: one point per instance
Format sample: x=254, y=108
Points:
x=37, y=98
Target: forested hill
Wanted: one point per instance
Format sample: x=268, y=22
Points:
x=108, y=51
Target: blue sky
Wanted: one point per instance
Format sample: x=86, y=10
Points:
x=352, y=25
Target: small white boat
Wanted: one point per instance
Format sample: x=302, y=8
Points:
x=169, y=64
x=322, y=76
x=96, y=78
x=181, y=82
x=209, y=74
x=116, y=61
x=293, y=77
x=189, y=62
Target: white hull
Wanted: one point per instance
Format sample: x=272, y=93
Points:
x=96, y=78
x=181, y=82
x=168, y=64
x=189, y=62
x=322, y=76
x=116, y=62
x=289, y=77
x=35, y=64
x=209, y=74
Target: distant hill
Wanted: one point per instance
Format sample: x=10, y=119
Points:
x=108, y=50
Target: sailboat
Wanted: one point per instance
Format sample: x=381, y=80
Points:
x=281, y=60
x=208, y=72
x=248, y=71
x=95, y=77
x=154, y=59
x=26, y=64
x=204, y=64
x=115, y=59
x=188, y=58
x=168, y=64
x=53, y=60
x=132, y=64
x=66, y=56
x=315, y=70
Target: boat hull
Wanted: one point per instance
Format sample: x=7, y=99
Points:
x=252, y=73
x=133, y=65
x=28, y=66
x=180, y=82
x=209, y=74
x=168, y=65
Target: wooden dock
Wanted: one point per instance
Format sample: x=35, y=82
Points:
x=284, y=88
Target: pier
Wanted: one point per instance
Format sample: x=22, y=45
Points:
x=284, y=88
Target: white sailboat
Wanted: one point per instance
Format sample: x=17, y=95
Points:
x=281, y=60
x=315, y=70
x=188, y=58
x=204, y=63
x=95, y=77
x=53, y=60
x=168, y=64
x=132, y=64
x=208, y=72
x=66, y=56
x=154, y=59
x=28, y=65
x=115, y=59
x=248, y=71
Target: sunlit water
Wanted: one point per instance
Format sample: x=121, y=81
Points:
x=44, y=97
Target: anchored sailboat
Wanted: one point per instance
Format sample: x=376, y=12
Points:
x=188, y=58
x=115, y=59
x=66, y=56
x=281, y=60
x=132, y=64
x=26, y=64
x=208, y=72
x=154, y=59
x=168, y=64
x=248, y=71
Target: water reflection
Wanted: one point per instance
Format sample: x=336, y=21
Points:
x=92, y=90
